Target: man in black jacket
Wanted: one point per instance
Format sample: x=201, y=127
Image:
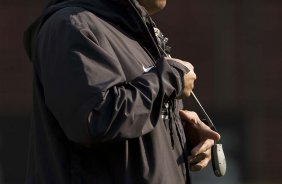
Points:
x=107, y=101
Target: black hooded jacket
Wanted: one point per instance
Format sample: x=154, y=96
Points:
x=100, y=85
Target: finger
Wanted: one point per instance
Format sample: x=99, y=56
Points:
x=198, y=158
x=200, y=166
x=189, y=82
x=202, y=147
x=191, y=75
x=189, y=116
x=210, y=134
x=186, y=63
x=190, y=66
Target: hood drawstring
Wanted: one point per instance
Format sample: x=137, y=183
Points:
x=168, y=109
x=170, y=124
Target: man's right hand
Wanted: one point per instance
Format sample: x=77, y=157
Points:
x=189, y=77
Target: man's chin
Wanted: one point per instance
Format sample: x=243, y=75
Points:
x=157, y=9
x=153, y=6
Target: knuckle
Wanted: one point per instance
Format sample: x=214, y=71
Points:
x=194, y=114
x=200, y=166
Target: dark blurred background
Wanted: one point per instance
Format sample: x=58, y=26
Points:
x=236, y=48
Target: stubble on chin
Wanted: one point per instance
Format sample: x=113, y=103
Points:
x=153, y=6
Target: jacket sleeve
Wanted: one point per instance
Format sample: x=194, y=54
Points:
x=86, y=90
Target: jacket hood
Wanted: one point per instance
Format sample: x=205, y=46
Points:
x=128, y=15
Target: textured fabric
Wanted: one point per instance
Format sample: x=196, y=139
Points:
x=100, y=83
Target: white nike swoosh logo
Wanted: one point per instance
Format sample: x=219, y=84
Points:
x=147, y=69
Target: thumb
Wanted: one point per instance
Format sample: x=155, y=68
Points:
x=209, y=137
x=210, y=134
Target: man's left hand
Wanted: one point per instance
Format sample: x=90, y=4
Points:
x=200, y=137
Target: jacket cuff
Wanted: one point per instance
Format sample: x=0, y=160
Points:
x=183, y=69
x=172, y=75
x=179, y=70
